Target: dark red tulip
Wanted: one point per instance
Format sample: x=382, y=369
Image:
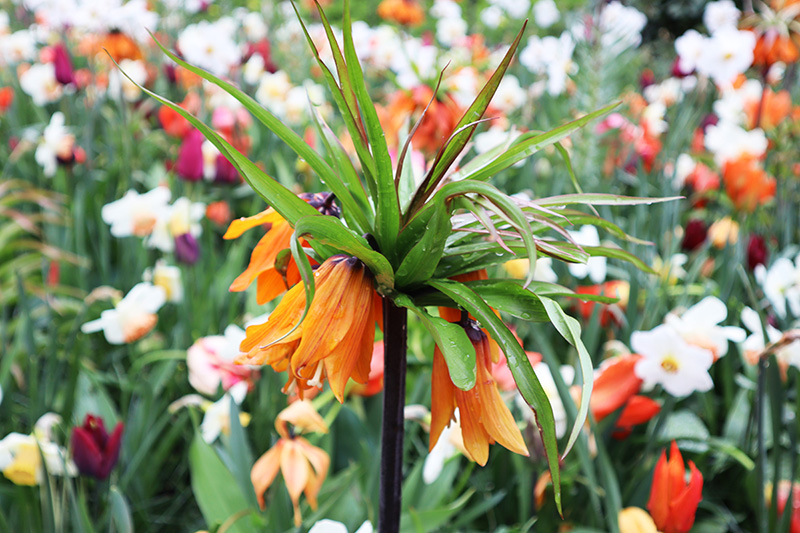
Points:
x=190, y=159
x=695, y=235
x=94, y=451
x=225, y=171
x=757, y=253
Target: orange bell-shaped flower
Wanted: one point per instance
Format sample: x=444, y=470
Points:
x=485, y=418
x=673, y=501
x=335, y=339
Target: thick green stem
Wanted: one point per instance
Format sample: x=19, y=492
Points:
x=394, y=392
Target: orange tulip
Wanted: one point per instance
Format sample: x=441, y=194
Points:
x=405, y=12
x=335, y=339
x=747, y=184
x=614, y=386
x=673, y=501
x=6, y=98
x=303, y=466
x=613, y=289
x=485, y=418
x=769, y=110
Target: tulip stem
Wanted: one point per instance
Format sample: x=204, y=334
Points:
x=394, y=389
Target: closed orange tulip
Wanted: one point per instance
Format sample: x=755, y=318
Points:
x=673, y=501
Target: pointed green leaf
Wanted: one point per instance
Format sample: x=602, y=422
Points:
x=510, y=297
x=617, y=253
x=471, y=115
x=279, y=197
x=387, y=205
x=329, y=230
x=527, y=382
x=570, y=329
x=599, y=199
x=452, y=340
x=530, y=143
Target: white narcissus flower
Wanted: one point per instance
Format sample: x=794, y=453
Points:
x=17, y=47
x=621, y=27
x=21, y=459
x=450, y=30
x=39, y=82
x=492, y=16
x=595, y=267
x=549, y=385
x=136, y=214
x=132, y=318
x=722, y=14
x=332, y=526
x=729, y=142
x=551, y=56
x=509, y=95
x=727, y=53
x=781, y=283
x=754, y=345
x=668, y=360
x=183, y=217
x=684, y=166
x=210, y=45
x=689, y=47
x=56, y=142
x=700, y=326
x=545, y=13
x=168, y=277
x=272, y=90
x=217, y=419
x=120, y=85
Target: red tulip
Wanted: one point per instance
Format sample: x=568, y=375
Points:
x=95, y=452
x=673, y=501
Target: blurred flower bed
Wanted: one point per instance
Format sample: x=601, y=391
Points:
x=127, y=283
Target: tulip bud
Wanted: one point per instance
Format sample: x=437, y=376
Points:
x=95, y=452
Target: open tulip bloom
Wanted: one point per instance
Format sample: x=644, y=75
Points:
x=397, y=243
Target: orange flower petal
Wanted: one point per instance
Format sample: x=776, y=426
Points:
x=240, y=225
x=264, y=471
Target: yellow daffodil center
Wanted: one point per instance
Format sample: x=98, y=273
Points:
x=27, y=462
x=670, y=364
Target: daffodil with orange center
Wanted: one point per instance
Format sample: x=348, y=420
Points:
x=274, y=276
x=303, y=466
x=485, y=418
x=335, y=339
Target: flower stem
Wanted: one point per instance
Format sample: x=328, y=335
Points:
x=394, y=391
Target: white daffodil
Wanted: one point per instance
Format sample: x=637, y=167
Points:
x=21, y=459
x=332, y=526
x=56, y=142
x=781, y=283
x=754, y=345
x=668, y=360
x=722, y=14
x=136, y=214
x=595, y=267
x=700, y=326
x=183, y=217
x=211, y=45
x=132, y=318
x=726, y=54
x=218, y=414
x=549, y=385
x=168, y=277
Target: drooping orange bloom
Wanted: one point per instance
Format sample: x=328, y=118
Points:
x=768, y=111
x=304, y=467
x=405, y=12
x=772, y=47
x=485, y=418
x=335, y=339
x=673, y=502
x=747, y=184
x=275, y=272
x=375, y=383
x=439, y=122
